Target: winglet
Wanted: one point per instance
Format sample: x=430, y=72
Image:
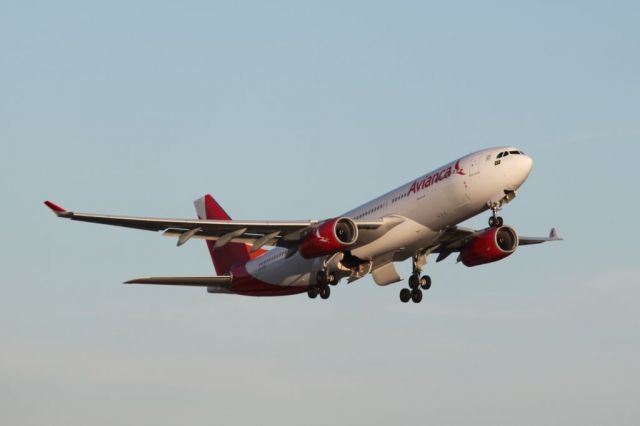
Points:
x=55, y=208
x=553, y=235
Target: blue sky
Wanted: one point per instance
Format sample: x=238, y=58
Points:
x=287, y=110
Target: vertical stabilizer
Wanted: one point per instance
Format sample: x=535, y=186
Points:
x=229, y=255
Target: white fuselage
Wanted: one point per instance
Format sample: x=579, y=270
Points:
x=427, y=206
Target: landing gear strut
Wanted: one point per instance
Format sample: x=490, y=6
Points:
x=416, y=282
x=495, y=220
x=324, y=277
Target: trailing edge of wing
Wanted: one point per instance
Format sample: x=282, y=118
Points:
x=209, y=281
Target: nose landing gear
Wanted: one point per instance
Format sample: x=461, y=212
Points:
x=495, y=220
x=496, y=206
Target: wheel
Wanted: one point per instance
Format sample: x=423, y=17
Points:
x=425, y=282
x=414, y=282
x=325, y=292
x=416, y=295
x=312, y=292
x=499, y=221
x=321, y=277
x=492, y=221
x=405, y=295
x=331, y=279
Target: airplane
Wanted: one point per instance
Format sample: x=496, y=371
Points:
x=416, y=220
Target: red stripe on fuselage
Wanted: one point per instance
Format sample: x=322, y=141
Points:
x=247, y=285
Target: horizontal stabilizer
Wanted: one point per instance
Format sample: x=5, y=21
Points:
x=219, y=281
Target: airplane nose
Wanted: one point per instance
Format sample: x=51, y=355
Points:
x=525, y=164
x=528, y=163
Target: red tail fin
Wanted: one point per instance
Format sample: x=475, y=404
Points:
x=230, y=254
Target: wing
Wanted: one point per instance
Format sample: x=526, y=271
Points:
x=219, y=281
x=259, y=233
x=553, y=236
x=455, y=238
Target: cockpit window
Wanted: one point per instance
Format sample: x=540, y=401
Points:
x=500, y=155
x=506, y=153
x=514, y=152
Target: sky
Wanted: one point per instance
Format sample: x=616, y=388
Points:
x=304, y=110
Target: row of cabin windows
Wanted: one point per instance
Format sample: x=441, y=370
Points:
x=505, y=153
x=361, y=215
x=398, y=198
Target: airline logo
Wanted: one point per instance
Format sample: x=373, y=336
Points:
x=438, y=176
x=320, y=237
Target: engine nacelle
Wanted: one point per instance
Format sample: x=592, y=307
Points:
x=490, y=245
x=329, y=237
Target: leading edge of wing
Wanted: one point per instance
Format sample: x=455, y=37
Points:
x=159, y=224
x=205, y=281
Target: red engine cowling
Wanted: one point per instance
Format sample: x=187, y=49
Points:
x=490, y=245
x=329, y=237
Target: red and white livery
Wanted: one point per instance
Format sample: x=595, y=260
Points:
x=413, y=221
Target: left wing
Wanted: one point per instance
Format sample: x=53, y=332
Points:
x=280, y=233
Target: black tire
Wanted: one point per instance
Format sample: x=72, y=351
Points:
x=416, y=295
x=425, y=282
x=325, y=292
x=405, y=295
x=414, y=282
x=312, y=292
x=492, y=221
x=499, y=222
x=321, y=278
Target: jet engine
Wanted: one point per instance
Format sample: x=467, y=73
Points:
x=329, y=237
x=490, y=245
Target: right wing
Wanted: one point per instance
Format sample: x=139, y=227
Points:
x=553, y=236
x=456, y=237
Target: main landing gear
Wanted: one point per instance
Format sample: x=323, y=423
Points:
x=323, y=280
x=416, y=284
